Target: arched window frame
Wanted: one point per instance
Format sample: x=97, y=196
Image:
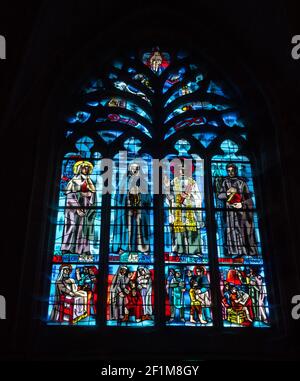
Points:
x=196, y=147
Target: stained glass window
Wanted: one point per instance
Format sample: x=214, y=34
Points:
x=157, y=202
x=75, y=257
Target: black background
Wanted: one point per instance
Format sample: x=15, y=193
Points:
x=46, y=51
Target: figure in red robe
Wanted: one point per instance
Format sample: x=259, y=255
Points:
x=134, y=301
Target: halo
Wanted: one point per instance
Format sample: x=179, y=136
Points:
x=81, y=163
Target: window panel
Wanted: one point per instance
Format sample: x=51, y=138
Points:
x=238, y=239
x=110, y=135
x=187, y=230
x=76, y=246
x=186, y=123
x=79, y=117
x=242, y=182
x=205, y=138
x=243, y=288
x=77, y=235
x=123, y=103
x=232, y=119
x=131, y=235
x=92, y=86
x=188, y=298
x=124, y=119
x=73, y=294
x=185, y=236
x=190, y=106
x=156, y=60
x=130, y=295
x=218, y=89
x=244, y=296
x=174, y=77
x=141, y=78
x=187, y=287
x=130, y=282
x=127, y=88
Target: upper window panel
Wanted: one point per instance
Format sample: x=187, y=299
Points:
x=156, y=60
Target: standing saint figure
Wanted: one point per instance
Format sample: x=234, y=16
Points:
x=178, y=287
x=257, y=292
x=144, y=282
x=183, y=197
x=79, y=216
x=132, y=223
x=118, y=291
x=239, y=231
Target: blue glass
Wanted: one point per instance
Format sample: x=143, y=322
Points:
x=194, y=67
x=133, y=146
x=77, y=239
x=185, y=220
x=84, y=146
x=109, y=135
x=186, y=123
x=73, y=291
x=131, y=248
x=73, y=294
x=213, y=123
x=130, y=295
x=189, y=88
x=80, y=117
x=118, y=64
x=238, y=241
x=131, y=232
x=123, y=176
x=170, y=132
x=182, y=146
x=112, y=76
x=156, y=60
x=123, y=119
x=174, y=77
x=92, y=103
x=244, y=296
x=123, y=103
x=217, y=89
x=70, y=167
x=188, y=296
x=141, y=78
x=93, y=85
x=243, y=171
x=75, y=250
x=230, y=149
x=238, y=237
x=123, y=86
x=205, y=138
x=196, y=106
x=185, y=238
x=232, y=119
x=132, y=226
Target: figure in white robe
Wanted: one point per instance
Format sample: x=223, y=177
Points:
x=144, y=282
x=65, y=286
x=185, y=219
x=79, y=214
